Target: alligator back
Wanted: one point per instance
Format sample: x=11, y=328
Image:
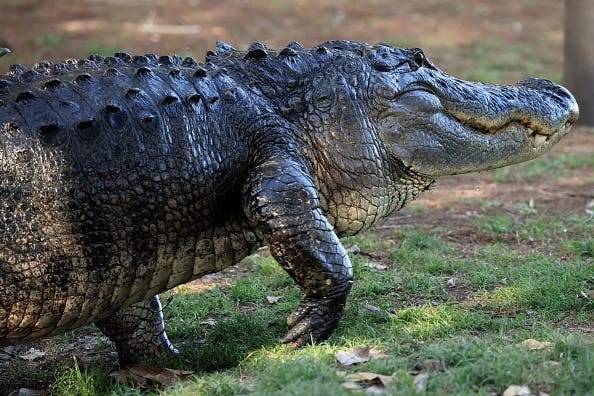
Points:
x=118, y=179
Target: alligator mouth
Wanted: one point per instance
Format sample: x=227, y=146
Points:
x=537, y=132
x=537, y=136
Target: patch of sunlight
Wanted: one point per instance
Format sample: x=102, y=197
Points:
x=427, y=320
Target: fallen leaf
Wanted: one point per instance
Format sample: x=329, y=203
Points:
x=430, y=365
x=141, y=375
x=372, y=308
x=375, y=354
x=273, y=300
x=32, y=354
x=372, y=382
x=209, y=322
x=517, y=390
x=377, y=266
x=31, y=392
x=359, y=354
x=354, y=249
x=375, y=390
x=533, y=344
x=420, y=381
x=351, y=385
x=264, y=251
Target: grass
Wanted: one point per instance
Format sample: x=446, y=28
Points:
x=418, y=295
x=101, y=49
x=558, y=165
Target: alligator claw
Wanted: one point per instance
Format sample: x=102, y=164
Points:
x=313, y=320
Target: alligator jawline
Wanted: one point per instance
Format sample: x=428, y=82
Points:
x=536, y=138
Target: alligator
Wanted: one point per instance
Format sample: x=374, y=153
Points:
x=124, y=176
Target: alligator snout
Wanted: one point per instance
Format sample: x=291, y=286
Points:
x=567, y=105
x=476, y=126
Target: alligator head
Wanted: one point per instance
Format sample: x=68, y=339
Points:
x=439, y=125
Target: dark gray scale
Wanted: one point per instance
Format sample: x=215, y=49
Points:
x=152, y=59
x=15, y=71
x=42, y=116
x=13, y=127
x=223, y=47
x=113, y=61
x=77, y=112
x=125, y=57
x=256, y=50
x=189, y=62
x=43, y=67
x=5, y=84
x=59, y=69
x=30, y=76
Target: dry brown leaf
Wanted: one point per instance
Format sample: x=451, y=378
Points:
x=533, y=344
x=141, y=375
x=372, y=308
x=32, y=354
x=377, y=266
x=209, y=322
x=31, y=392
x=273, y=299
x=359, y=354
x=372, y=382
x=419, y=381
x=351, y=385
x=517, y=390
x=430, y=365
x=264, y=251
x=376, y=354
x=125, y=377
x=354, y=249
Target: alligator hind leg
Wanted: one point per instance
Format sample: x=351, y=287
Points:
x=138, y=332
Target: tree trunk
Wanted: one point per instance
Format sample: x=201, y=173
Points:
x=578, y=71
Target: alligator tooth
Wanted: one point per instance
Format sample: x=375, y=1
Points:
x=539, y=140
x=530, y=131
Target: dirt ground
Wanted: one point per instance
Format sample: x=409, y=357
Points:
x=56, y=30
x=61, y=29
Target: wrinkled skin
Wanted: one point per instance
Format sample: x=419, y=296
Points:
x=124, y=177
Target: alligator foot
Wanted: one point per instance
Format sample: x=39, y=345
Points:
x=138, y=332
x=313, y=320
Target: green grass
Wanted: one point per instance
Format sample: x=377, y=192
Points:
x=467, y=305
x=101, y=49
x=50, y=39
x=75, y=381
x=501, y=297
x=555, y=165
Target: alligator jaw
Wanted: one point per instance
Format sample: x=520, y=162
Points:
x=443, y=126
x=538, y=137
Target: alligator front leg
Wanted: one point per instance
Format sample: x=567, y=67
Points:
x=138, y=332
x=282, y=201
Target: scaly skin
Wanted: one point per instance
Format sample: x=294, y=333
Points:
x=124, y=177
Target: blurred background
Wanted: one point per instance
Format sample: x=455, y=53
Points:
x=495, y=41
